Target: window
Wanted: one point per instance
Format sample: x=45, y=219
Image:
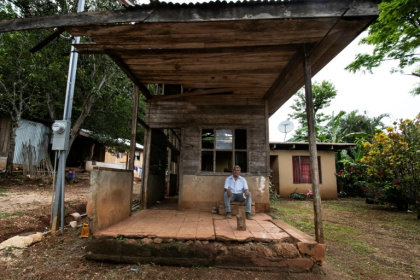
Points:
x=221, y=149
x=302, y=170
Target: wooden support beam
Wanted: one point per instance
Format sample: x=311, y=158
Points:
x=188, y=94
x=133, y=128
x=313, y=156
x=47, y=40
x=128, y=72
x=146, y=167
x=143, y=123
x=94, y=48
x=79, y=19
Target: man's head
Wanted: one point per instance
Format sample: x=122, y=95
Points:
x=236, y=171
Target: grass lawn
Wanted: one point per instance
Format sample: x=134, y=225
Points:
x=364, y=241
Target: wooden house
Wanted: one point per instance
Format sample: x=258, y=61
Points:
x=86, y=151
x=222, y=69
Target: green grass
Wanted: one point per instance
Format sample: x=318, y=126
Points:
x=4, y=215
x=358, y=236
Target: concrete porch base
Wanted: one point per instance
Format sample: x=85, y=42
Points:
x=201, y=239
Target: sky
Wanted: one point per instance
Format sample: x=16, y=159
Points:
x=377, y=93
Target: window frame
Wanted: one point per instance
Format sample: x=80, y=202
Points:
x=233, y=151
x=300, y=167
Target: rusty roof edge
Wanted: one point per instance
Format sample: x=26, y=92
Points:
x=211, y=3
x=217, y=11
x=250, y=10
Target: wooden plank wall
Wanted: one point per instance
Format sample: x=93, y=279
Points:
x=194, y=114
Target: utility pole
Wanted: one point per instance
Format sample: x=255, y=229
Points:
x=61, y=131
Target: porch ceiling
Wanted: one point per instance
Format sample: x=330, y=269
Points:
x=247, y=50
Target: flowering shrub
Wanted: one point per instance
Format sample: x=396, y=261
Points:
x=393, y=165
x=352, y=178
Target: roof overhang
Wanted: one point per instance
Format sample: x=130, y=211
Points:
x=241, y=50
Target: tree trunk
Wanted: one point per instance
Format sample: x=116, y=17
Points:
x=87, y=105
x=11, y=148
x=92, y=149
x=50, y=105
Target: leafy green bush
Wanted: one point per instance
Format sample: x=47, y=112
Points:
x=393, y=165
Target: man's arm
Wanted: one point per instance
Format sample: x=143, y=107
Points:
x=229, y=192
x=245, y=186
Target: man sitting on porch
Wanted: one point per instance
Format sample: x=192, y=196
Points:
x=236, y=189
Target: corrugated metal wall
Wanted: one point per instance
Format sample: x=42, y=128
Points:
x=32, y=134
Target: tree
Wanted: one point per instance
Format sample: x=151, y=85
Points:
x=322, y=96
x=393, y=165
x=18, y=71
x=354, y=125
x=395, y=35
x=43, y=75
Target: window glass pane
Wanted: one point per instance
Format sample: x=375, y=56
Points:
x=223, y=161
x=240, y=159
x=207, y=139
x=224, y=139
x=240, y=139
x=206, y=161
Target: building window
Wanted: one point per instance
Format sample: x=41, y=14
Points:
x=221, y=149
x=302, y=170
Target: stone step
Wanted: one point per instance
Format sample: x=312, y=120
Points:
x=277, y=257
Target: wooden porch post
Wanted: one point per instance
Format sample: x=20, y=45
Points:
x=132, y=153
x=313, y=155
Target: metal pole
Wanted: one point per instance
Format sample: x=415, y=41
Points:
x=319, y=231
x=60, y=187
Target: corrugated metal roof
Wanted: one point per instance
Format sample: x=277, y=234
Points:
x=87, y=133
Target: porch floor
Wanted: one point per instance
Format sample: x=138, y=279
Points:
x=188, y=238
x=190, y=225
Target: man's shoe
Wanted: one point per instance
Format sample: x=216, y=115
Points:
x=229, y=215
x=249, y=216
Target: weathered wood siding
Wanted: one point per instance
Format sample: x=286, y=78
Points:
x=195, y=114
x=192, y=115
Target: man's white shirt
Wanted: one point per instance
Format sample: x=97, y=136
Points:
x=237, y=186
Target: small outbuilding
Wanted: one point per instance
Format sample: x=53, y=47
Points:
x=290, y=165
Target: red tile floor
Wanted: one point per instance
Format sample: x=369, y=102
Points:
x=190, y=225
